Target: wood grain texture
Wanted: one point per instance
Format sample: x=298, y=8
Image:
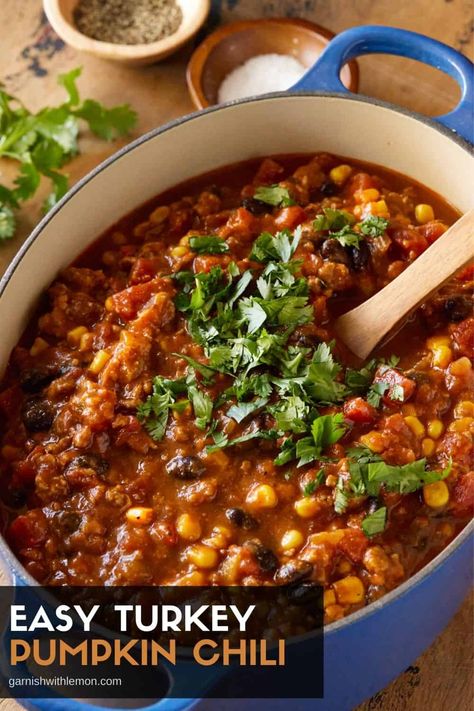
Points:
x=364, y=327
x=30, y=58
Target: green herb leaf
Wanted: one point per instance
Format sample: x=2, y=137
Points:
x=244, y=409
x=274, y=195
x=375, y=522
x=107, y=123
x=7, y=222
x=373, y=226
x=333, y=220
x=208, y=244
x=202, y=406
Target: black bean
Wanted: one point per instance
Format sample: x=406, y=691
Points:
x=37, y=415
x=265, y=557
x=35, y=379
x=242, y=519
x=67, y=521
x=304, y=593
x=293, y=572
x=328, y=188
x=332, y=251
x=185, y=467
x=359, y=256
x=89, y=460
x=307, y=340
x=255, y=207
x=457, y=308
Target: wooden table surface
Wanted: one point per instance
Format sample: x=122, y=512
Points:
x=31, y=56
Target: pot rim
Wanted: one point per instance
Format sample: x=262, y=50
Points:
x=15, y=566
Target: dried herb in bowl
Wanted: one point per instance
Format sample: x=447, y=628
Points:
x=128, y=21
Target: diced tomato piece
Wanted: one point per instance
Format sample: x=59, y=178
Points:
x=463, y=337
x=143, y=270
x=400, y=388
x=290, y=217
x=127, y=303
x=268, y=172
x=432, y=230
x=241, y=224
x=467, y=274
x=25, y=473
x=463, y=495
x=28, y=531
x=359, y=411
x=354, y=544
x=360, y=181
x=206, y=262
x=410, y=240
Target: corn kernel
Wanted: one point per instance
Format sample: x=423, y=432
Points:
x=428, y=447
x=378, y=208
x=307, y=507
x=10, y=453
x=329, y=598
x=349, y=590
x=374, y=441
x=424, y=213
x=39, y=345
x=262, y=496
x=340, y=173
x=437, y=341
x=416, y=426
x=409, y=410
x=435, y=428
x=292, y=539
x=109, y=304
x=202, y=556
x=75, y=334
x=100, y=359
x=184, y=240
x=368, y=195
x=460, y=367
x=344, y=567
x=159, y=215
x=436, y=495
x=193, y=579
x=219, y=538
x=442, y=357
x=86, y=342
x=188, y=527
x=179, y=251
x=464, y=424
x=139, y=515
x=464, y=409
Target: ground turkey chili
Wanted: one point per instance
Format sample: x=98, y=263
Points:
x=179, y=411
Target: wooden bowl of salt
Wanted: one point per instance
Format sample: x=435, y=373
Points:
x=255, y=57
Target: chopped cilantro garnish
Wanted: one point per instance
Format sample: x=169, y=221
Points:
x=279, y=247
x=373, y=226
x=333, y=220
x=208, y=244
x=375, y=522
x=311, y=486
x=274, y=195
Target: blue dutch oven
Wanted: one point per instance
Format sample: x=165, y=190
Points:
x=364, y=652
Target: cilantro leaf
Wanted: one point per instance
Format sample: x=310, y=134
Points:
x=274, y=195
x=282, y=246
x=43, y=142
x=202, y=406
x=154, y=412
x=208, y=244
x=7, y=222
x=243, y=409
x=327, y=430
x=311, y=486
x=373, y=226
x=331, y=219
x=347, y=237
x=376, y=392
x=375, y=522
x=322, y=373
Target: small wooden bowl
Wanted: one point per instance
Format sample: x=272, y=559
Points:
x=232, y=45
x=60, y=16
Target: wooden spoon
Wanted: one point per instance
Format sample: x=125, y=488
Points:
x=364, y=327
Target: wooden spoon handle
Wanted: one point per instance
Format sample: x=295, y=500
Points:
x=365, y=326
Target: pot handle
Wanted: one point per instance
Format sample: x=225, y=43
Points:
x=374, y=39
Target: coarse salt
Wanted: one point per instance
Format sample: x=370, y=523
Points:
x=261, y=75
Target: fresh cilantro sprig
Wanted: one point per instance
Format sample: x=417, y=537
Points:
x=208, y=244
x=340, y=225
x=274, y=195
x=43, y=142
